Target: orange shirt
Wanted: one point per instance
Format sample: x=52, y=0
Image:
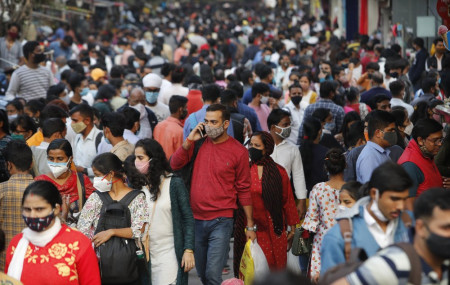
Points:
x=36, y=139
x=169, y=133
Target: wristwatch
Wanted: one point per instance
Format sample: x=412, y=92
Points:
x=253, y=229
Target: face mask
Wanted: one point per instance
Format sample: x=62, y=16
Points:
x=285, y=132
x=342, y=209
x=309, y=53
x=39, y=224
x=267, y=58
x=36, y=121
x=296, y=100
x=408, y=129
x=393, y=74
x=102, y=185
x=214, y=133
x=426, y=152
x=13, y=35
x=86, y=69
x=344, y=65
x=375, y=210
x=151, y=97
x=438, y=245
x=255, y=154
x=142, y=166
x=93, y=92
x=120, y=50
x=78, y=127
x=187, y=46
x=264, y=99
x=66, y=99
x=107, y=140
x=124, y=93
x=439, y=81
x=58, y=168
x=17, y=137
x=286, y=64
x=12, y=117
x=135, y=64
x=38, y=58
x=84, y=91
x=329, y=126
x=369, y=76
x=390, y=137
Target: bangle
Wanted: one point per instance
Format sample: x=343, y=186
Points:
x=189, y=141
x=189, y=251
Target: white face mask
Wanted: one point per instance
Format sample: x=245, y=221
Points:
x=375, y=210
x=102, y=184
x=58, y=168
x=342, y=208
x=264, y=99
x=66, y=99
x=141, y=109
x=408, y=129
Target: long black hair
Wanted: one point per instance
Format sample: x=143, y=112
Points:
x=159, y=166
x=311, y=129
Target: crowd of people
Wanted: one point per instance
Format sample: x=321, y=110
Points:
x=133, y=156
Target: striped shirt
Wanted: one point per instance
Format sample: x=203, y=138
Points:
x=30, y=83
x=395, y=267
x=12, y=55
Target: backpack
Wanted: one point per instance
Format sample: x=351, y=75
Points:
x=355, y=257
x=117, y=257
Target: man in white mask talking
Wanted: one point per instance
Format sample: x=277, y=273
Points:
x=375, y=221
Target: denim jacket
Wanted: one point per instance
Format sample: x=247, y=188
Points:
x=332, y=251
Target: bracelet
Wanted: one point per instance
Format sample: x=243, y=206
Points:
x=189, y=251
x=190, y=141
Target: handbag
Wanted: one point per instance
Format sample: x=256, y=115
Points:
x=302, y=242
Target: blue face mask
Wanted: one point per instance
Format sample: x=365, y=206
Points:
x=84, y=91
x=107, y=141
x=329, y=126
x=136, y=64
x=439, y=81
x=120, y=50
x=267, y=58
x=57, y=164
x=124, y=93
x=151, y=97
x=93, y=92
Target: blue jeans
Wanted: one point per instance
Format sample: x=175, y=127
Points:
x=212, y=239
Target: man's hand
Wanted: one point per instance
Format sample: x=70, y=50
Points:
x=250, y=235
x=301, y=208
x=195, y=134
x=290, y=237
x=446, y=182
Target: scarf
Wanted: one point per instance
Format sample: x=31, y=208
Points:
x=39, y=239
x=272, y=184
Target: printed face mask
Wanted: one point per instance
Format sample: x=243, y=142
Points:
x=39, y=224
x=285, y=132
x=214, y=133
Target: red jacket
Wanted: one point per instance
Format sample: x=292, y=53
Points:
x=432, y=177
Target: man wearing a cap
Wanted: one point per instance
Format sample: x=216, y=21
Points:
x=152, y=85
x=98, y=75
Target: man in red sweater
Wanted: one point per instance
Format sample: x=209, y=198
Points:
x=220, y=175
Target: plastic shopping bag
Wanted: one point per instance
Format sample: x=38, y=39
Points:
x=253, y=262
x=293, y=263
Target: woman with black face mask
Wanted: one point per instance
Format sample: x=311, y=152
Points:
x=47, y=251
x=273, y=205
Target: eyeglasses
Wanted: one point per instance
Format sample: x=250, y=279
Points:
x=437, y=141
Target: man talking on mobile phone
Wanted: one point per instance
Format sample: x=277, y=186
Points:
x=220, y=175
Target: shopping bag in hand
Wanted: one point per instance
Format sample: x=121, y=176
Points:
x=253, y=263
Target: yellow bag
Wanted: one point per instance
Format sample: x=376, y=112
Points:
x=247, y=267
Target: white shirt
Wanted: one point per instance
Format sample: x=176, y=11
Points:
x=161, y=111
x=296, y=119
x=165, y=84
x=175, y=89
x=130, y=137
x=85, y=150
x=400, y=102
x=162, y=250
x=103, y=146
x=382, y=238
x=288, y=156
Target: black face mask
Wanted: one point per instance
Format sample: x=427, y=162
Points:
x=255, y=154
x=39, y=57
x=296, y=100
x=393, y=74
x=344, y=65
x=438, y=245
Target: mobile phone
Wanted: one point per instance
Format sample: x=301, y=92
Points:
x=203, y=131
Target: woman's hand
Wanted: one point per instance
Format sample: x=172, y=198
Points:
x=102, y=237
x=188, y=261
x=290, y=237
